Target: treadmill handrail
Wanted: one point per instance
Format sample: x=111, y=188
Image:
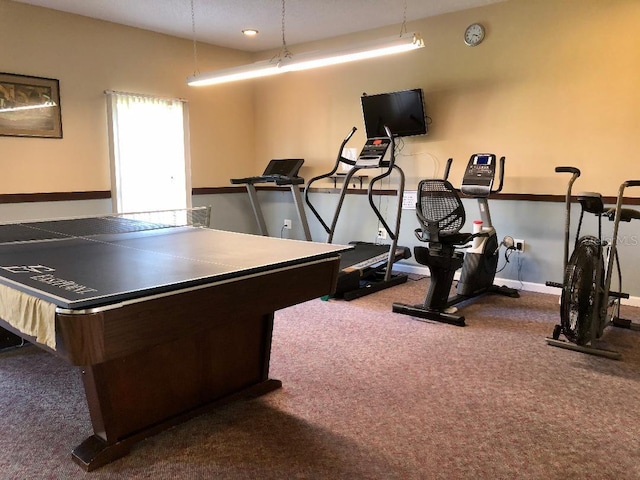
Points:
x=339, y=159
x=390, y=166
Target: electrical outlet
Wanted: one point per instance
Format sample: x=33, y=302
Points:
x=382, y=234
x=518, y=244
x=287, y=224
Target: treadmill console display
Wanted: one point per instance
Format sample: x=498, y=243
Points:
x=479, y=175
x=373, y=152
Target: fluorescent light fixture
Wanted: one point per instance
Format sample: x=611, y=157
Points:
x=305, y=61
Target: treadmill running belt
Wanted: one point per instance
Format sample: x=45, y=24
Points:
x=363, y=255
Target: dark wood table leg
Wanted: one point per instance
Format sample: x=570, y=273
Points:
x=137, y=396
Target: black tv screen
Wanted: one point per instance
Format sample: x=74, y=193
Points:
x=403, y=112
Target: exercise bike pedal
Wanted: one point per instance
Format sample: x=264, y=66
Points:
x=557, y=330
x=504, y=290
x=625, y=323
x=618, y=294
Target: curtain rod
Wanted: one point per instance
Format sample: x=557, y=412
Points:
x=144, y=95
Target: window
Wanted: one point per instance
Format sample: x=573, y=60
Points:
x=148, y=139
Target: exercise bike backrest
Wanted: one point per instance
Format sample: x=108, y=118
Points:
x=439, y=209
x=440, y=212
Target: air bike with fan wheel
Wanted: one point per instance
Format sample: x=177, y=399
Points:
x=588, y=304
x=441, y=215
x=367, y=268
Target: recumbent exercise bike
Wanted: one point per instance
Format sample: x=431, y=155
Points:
x=441, y=215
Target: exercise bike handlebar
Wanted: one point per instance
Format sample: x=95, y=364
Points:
x=575, y=173
x=616, y=223
x=446, y=169
x=620, y=200
x=574, y=170
x=501, y=176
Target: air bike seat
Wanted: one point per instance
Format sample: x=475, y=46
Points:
x=441, y=215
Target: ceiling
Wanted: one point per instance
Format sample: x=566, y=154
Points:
x=220, y=22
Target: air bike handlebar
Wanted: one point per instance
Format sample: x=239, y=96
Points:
x=567, y=202
x=573, y=170
x=629, y=214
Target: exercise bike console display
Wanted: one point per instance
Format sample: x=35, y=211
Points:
x=478, y=178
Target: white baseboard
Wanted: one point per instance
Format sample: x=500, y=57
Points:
x=526, y=286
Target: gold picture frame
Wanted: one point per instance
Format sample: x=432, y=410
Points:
x=30, y=106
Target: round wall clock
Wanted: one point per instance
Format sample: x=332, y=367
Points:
x=474, y=34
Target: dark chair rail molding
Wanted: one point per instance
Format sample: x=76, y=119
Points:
x=52, y=196
x=102, y=194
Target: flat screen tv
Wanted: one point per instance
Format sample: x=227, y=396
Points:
x=403, y=112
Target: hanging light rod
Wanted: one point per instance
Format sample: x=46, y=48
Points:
x=305, y=61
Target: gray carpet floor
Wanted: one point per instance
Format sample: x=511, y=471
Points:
x=369, y=394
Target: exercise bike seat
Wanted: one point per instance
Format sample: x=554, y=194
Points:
x=591, y=202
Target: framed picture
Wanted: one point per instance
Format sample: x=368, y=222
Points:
x=30, y=106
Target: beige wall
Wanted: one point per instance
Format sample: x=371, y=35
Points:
x=90, y=56
x=555, y=82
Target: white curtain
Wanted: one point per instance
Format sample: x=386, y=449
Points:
x=149, y=152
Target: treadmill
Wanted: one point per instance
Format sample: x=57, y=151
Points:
x=281, y=172
x=367, y=268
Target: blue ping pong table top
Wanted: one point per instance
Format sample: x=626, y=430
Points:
x=92, y=271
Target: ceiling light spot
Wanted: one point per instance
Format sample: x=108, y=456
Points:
x=250, y=32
